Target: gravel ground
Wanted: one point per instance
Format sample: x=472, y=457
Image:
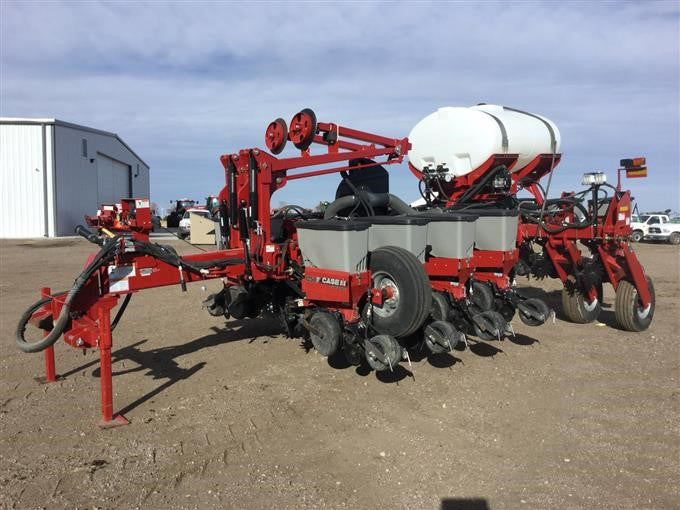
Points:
x=234, y=415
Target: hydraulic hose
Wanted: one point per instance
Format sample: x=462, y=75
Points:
x=106, y=253
x=531, y=215
x=374, y=199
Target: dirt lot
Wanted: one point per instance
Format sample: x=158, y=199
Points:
x=237, y=416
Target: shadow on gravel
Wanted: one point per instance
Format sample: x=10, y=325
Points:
x=338, y=361
x=161, y=363
x=464, y=504
x=520, y=339
x=485, y=350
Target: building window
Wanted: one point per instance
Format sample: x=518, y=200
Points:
x=84, y=147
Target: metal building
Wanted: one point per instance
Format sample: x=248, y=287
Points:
x=53, y=172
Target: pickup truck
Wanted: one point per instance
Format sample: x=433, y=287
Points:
x=655, y=227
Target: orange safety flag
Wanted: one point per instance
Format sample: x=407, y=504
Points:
x=636, y=171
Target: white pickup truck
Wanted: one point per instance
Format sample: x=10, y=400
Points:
x=655, y=227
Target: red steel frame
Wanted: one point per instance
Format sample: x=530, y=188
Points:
x=90, y=325
x=610, y=236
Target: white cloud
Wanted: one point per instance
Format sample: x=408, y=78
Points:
x=185, y=82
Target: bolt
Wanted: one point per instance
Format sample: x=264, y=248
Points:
x=256, y=152
x=235, y=157
x=79, y=342
x=264, y=165
x=279, y=180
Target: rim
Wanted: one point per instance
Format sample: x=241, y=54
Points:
x=382, y=280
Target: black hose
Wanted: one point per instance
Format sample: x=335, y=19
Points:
x=375, y=200
x=120, y=311
x=529, y=214
x=363, y=199
x=166, y=254
x=106, y=253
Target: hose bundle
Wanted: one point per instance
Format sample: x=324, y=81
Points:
x=106, y=254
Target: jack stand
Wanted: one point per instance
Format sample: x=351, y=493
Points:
x=50, y=368
x=108, y=419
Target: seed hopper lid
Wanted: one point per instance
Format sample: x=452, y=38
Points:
x=332, y=225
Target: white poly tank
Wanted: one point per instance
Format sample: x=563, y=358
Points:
x=461, y=139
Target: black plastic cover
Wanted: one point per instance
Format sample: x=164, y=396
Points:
x=445, y=216
x=333, y=225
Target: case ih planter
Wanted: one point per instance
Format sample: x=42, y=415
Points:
x=370, y=276
x=351, y=299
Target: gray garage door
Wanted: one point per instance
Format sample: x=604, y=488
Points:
x=113, y=180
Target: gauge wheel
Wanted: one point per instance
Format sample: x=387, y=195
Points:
x=489, y=325
x=576, y=306
x=533, y=312
x=388, y=347
x=482, y=296
x=441, y=336
x=629, y=313
x=325, y=333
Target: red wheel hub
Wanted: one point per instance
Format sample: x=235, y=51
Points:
x=303, y=129
x=276, y=136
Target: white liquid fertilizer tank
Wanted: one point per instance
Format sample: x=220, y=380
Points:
x=461, y=139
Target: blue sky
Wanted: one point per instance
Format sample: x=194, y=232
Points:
x=183, y=83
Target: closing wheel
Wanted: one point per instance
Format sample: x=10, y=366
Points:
x=325, y=333
x=441, y=336
x=303, y=129
x=629, y=313
x=576, y=306
x=489, y=325
x=276, y=136
x=533, y=311
x=408, y=295
x=482, y=296
x=383, y=352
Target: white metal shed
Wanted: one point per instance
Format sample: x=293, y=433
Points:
x=53, y=172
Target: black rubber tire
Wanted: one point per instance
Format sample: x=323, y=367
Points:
x=441, y=308
x=674, y=238
x=415, y=294
x=636, y=236
x=627, y=308
x=498, y=322
x=329, y=338
x=445, y=329
x=482, y=296
x=389, y=347
x=539, y=306
x=506, y=310
x=576, y=307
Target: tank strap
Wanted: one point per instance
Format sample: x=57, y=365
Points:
x=553, y=139
x=504, y=133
